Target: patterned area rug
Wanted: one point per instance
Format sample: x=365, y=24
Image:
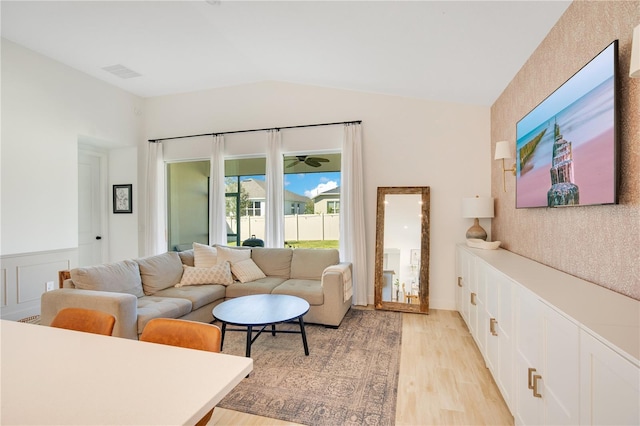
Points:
x=349, y=378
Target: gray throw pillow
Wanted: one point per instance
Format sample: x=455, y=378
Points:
x=160, y=271
x=119, y=277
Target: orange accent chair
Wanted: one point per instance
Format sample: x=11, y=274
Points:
x=185, y=334
x=86, y=320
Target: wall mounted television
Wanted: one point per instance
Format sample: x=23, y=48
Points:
x=566, y=147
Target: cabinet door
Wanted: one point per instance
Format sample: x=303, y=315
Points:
x=491, y=307
x=528, y=357
x=465, y=271
x=504, y=330
x=609, y=385
x=459, y=280
x=481, y=331
x=560, y=371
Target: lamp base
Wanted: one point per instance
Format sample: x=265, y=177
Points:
x=476, y=231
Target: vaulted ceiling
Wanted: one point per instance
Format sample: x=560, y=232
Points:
x=457, y=51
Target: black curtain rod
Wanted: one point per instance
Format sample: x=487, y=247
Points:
x=255, y=130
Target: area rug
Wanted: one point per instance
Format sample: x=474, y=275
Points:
x=349, y=378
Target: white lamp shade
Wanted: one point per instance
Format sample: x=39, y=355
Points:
x=634, y=70
x=502, y=150
x=477, y=207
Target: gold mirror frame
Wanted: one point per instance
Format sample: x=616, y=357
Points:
x=423, y=297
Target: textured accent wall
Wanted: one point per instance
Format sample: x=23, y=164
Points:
x=600, y=244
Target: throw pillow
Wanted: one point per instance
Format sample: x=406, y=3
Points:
x=160, y=271
x=204, y=256
x=247, y=270
x=119, y=277
x=226, y=254
x=218, y=274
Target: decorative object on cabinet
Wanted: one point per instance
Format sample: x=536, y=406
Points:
x=634, y=70
x=477, y=207
x=482, y=244
x=503, y=152
x=402, y=224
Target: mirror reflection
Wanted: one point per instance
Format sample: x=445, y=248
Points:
x=401, y=255
x=402, y=243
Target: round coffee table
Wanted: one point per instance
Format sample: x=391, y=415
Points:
x=262, y=310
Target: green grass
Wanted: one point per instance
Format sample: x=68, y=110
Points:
x=312, y=244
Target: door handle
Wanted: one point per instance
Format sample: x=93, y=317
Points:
x=492, y=326
x=536, y=377
x=98, y=237
x=530, y=378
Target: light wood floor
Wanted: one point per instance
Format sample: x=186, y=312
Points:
x=443, y=379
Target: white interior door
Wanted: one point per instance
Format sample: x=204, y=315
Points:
x=91, y=204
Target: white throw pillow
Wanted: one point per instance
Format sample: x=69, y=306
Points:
x=204, y=256
x=226, y=254
x=247, y=270
x=218, y=274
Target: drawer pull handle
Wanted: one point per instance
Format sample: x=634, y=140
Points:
x=459, y=281
x=536, y=377
x=530, y=378
x=492, y=326
x=473, y=299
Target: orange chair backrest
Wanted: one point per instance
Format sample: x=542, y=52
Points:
x=86, y=320
x=183, y=333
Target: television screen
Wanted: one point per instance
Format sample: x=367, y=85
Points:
x=566, y=146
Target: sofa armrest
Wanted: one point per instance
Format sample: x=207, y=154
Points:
x=336, y=283
x=123, y=306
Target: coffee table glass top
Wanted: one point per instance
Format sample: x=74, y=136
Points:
x=261, y=309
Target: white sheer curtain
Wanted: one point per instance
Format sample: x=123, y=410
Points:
x=352, y=233
x=217, y=210
x=156, y=229
x=274, y=209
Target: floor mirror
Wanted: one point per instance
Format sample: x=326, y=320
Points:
x=402, y=249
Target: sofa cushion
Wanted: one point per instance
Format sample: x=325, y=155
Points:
x=232, y=255
x=160, y=271
x=274, y=262
x=308, y=264
x=217, y=274
x=199, y=295
x=150, y=307
x=309, y=290
x=187, y=257
x=119, y=277
x=247, y=270
x=261, y=286
x=204, y=256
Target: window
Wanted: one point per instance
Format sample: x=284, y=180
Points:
x=312, y=187
x=253, y=208
x=310, y=181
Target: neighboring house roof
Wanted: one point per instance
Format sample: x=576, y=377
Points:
x=257, y=190
x=330, y=193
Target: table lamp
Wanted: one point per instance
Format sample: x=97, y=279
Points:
x=477, y=207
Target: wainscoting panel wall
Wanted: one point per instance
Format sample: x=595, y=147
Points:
x=24, y=278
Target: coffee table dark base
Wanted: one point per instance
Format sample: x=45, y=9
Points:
x=251, y=338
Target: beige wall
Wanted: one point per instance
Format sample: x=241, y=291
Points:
x=598, y=243
x=406, y=142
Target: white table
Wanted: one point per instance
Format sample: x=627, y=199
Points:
x=53, y=376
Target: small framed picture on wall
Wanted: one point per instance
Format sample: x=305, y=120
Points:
x=122, y=198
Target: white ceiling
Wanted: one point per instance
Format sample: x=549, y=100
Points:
x=458, y=51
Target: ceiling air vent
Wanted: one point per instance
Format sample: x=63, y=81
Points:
x=121, y=71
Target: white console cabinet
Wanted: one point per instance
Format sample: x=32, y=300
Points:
x=561, y=350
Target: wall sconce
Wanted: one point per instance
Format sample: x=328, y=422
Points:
x=503, y=152
x=634, y=70
x=477, y=207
